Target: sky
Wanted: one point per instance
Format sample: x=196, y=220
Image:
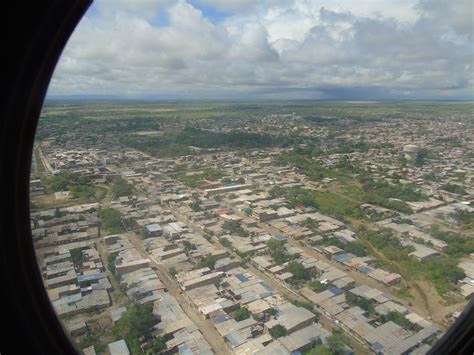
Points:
x=270, y=49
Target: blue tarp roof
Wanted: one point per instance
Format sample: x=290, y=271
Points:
x=220, y=319
x=267, y=287
x=241, y=277
x=336, y=291
x=92, y=277
x=377, y=345
x=364, y=269
x=280, y=237
x=344, y=257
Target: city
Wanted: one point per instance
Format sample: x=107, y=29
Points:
x=262, y=227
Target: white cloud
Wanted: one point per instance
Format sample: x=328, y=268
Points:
x=269, y=48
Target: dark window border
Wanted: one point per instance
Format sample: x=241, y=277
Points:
x=36, y=33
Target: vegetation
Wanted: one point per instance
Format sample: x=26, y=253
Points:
x=112, y=220
x=157, y=346
x=80, y=186
x=300, y=273
x=458, y=246
x=234, y=227
x=197, y=179
x=464, y=218
x=317, y=286
x=172, y=271
x=272, y=311
x=319, y=350
x=395, y=317
x=361, y=302
x=76, y=255
x=225, y=242
x=278, y=252
x=337, y=342
x=443, y=272
x=122, y=188
x=111, y=262
x=64, y=181
x=188, y=246
x=278, y=331
x=421, y=156
x=308, y=305
x=175, y=144
x=241, y=314
x=208, y=261
x=134, y=324
x=455, y=189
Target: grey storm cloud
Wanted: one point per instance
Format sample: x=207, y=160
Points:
x=263, y=48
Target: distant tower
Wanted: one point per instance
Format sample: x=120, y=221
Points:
x=410, y=152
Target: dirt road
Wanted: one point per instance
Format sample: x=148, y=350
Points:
x=205, y=326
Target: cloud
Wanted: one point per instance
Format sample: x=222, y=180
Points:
x=262, y=48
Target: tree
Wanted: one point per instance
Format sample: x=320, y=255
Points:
x=136, y=322
x=76, y=255
x=241, y=314
x=188, y=246
x=395, y=317
x=278, y=331
x=172, y=271
x=208, y=261
x=112, y=220
x=320, y=350
x=299, y=271
x=111, y=262
x=317, y=286
x=225, y=242
x=421, y=156
x=337, y=342
x=196, y=206
x=121, y=188
x=272, y=311
x=157, y=346
x=455, y=189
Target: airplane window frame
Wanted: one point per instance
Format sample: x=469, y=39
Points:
x=40, y=35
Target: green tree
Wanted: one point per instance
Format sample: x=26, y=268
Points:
x=421, y=156
x=188, y=246
x=272, y=311
x=278, y=331
x=122, y=188
x=157, y=346
x=112, y=220
x=111, y=262
x=241, y=314
x=317, y=286
x=76, y=255
x=225, y=242
x=455, y=189
x=337, y=342
x=395, y=317
x=320, y=350
x=299, y=271
x=134, y=324
x=172, y=271
x=208, y=261
x=196, y=206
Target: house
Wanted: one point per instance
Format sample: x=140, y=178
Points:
x=154, y=230
x=118, y=347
